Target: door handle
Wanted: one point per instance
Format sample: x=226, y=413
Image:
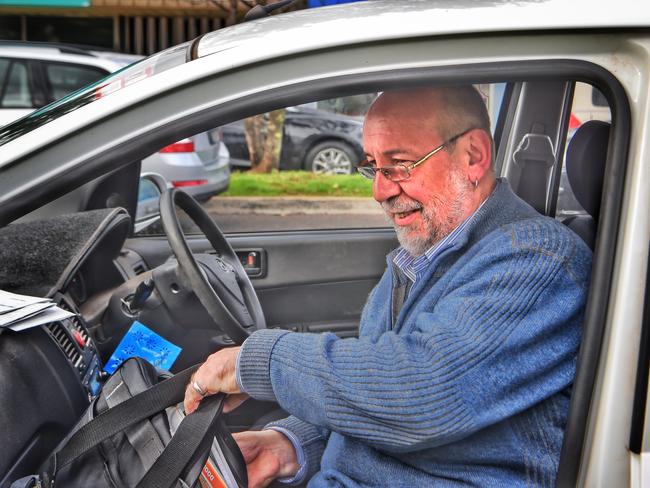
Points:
x=253, y=261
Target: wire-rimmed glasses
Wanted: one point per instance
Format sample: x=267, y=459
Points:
x=402, y=171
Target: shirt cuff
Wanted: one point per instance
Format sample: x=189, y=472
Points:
x=300, y=456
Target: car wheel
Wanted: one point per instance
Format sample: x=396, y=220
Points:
x=331, y=157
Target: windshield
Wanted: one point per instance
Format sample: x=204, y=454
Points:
x=127, y=76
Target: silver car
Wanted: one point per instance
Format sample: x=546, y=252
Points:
x=199, y=164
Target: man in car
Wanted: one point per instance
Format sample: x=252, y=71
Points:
x=462, y=371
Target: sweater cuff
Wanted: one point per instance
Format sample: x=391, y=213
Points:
x=309, y=439
x=299, y=477
x=254, y=363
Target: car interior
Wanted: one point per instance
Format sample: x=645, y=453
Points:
x=78, y=245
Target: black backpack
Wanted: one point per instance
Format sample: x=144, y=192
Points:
x=134, y=434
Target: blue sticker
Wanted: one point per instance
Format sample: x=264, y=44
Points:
x=141, y=341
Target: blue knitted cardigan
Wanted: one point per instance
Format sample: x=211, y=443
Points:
x=469, y=386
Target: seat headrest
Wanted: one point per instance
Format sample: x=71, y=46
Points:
x=585, y=164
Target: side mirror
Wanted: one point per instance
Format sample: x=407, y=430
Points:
x=151, y=186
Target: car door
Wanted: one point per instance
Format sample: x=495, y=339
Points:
x=283, y=249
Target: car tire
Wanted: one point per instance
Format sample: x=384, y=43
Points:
x=331, y=157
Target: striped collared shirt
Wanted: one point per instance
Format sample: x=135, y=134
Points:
x=413, y=267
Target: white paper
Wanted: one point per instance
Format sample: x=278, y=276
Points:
x=23, y=313
x=11, y=301
x=52, y=314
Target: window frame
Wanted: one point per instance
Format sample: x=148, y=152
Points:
x=640, y=425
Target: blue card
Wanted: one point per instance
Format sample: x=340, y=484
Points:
x=141, y=341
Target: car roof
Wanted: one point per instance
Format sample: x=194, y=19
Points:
x=386, y=19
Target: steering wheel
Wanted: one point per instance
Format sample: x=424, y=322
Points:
x=218, y=280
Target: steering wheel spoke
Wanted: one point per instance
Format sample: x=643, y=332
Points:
x=218, y=280
x=224, y=280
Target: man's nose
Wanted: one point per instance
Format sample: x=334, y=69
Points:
x=383, y=188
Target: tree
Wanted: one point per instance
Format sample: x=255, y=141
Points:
x=264, y=140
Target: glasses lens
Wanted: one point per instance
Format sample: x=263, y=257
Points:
x=367, y=172
x=396, y=173
x=393, y=173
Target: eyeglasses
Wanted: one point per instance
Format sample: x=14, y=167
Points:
x=402, y=171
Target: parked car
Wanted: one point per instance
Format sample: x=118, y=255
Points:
x=68, y=194
x=35, y=74
x=312, y=139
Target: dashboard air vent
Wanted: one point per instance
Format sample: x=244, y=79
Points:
x=75, y=321
x=67, y=344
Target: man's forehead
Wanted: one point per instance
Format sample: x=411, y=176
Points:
x=385, y=129
x=399, y=124
x=390, y=123
x=406, y=116
x=407, y=102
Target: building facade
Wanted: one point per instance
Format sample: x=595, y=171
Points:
x=128, y=26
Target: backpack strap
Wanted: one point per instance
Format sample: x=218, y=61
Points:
x=196, y=430
x=115, y=420
x=143, y=436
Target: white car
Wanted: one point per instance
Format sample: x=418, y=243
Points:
x=63, y=165
x=35, y=74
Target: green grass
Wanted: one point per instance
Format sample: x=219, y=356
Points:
x=297, y=183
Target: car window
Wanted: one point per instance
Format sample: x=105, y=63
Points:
x=353, y=105
x=66, y=78
x=311, y=183
x=16, y=93
x=4, y=71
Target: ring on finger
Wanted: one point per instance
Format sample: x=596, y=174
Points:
x=198, y=388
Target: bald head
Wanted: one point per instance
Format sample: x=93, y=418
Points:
x=447, y=111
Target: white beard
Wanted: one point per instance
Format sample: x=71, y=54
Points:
x=436, y=228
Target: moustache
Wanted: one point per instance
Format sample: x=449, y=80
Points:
x=397, y=206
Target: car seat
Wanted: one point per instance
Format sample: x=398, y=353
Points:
x=585, y=167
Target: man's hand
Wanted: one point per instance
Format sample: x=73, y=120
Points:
x=268, y=454
x=217, y=374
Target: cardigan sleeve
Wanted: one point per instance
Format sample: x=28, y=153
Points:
x=502, y=337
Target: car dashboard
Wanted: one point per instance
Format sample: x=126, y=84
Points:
x=49, y=374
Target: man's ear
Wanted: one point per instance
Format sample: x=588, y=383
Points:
x=479, y=149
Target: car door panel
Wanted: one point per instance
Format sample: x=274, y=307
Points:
x=314, y=281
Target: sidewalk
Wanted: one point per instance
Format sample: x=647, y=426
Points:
x=292, y=206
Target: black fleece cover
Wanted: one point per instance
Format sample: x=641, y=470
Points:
x=35, y=255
